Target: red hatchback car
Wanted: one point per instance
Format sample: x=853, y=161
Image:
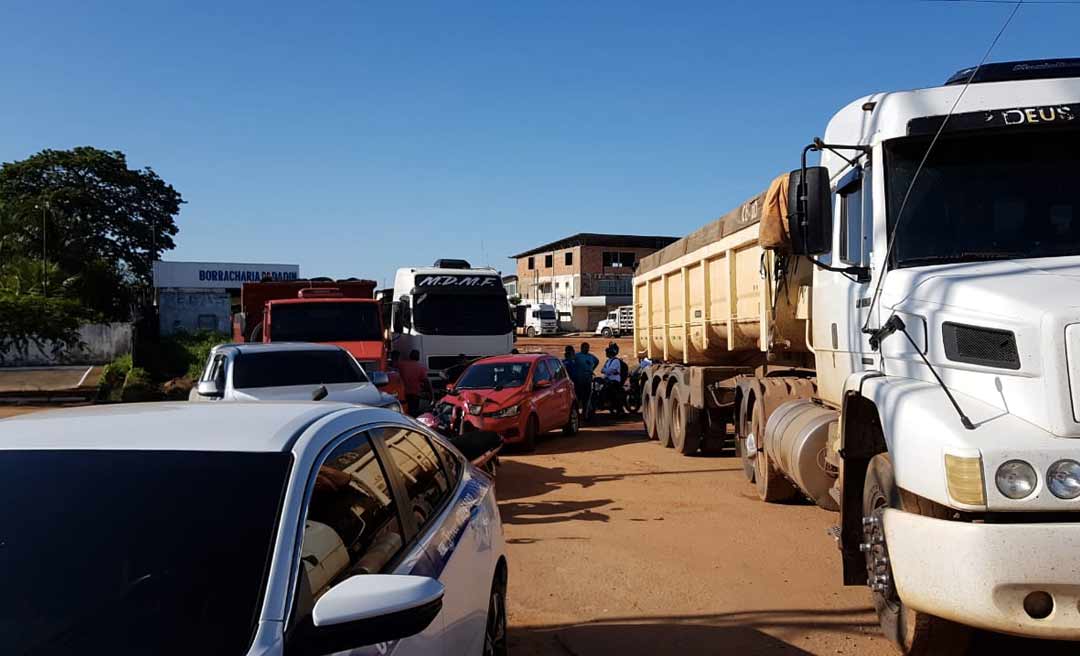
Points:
x=517, y=396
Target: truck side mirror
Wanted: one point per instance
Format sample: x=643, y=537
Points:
x=519, y=316
x=810, y=211
x=395, y=314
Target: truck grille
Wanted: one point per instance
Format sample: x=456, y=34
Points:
x=989, y=347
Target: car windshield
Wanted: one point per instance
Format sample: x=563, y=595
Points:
x=985, y=197
x=135, y=552
x=325, y=321
x=462, y=314
x=286, y=368
x=494, y=375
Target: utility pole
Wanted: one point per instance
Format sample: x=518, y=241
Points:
x=44, y=250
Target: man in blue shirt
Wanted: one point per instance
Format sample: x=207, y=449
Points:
x=585, y=364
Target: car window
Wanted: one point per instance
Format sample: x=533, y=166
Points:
x=286, y=368
x=135, y=552
x=541, y=372
x=451, y=461
x=425, y=480
x=352, y=524
x=558, y=369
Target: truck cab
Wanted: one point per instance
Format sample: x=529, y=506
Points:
x=619, y=321
x=537, y=319
x=448, y=310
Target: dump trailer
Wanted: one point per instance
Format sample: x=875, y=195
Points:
x=894, y=335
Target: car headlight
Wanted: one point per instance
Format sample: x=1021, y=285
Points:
x=512, y=411
x=1063, y=479
x=1016, y=479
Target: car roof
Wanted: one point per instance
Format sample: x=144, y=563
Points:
x=275, y=347
x=175, y=426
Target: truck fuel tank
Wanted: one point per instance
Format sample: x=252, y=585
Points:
x=796, y=438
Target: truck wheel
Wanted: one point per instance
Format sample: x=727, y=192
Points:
x=530, y=331
x=685, y=426
x=648, y=414
x=746, y=445
x=663, y=420
x=771, y=485
x=571, y=427
x=606, y=333
x=532, y=428
x=914, y=633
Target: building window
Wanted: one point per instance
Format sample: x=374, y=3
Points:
x=614, y=259
x=532, y=264
x=568, y=258
x=547, y=261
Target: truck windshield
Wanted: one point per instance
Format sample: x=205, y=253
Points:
x=462, y=314
x=324, y=321
x=985, y=197
x=286, y=368
x=547, y=315
x=490, y=376
x=135, y=552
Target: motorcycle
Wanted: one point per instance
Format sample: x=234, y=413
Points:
x=605, y=395
x=480, y=447
x=634, y=388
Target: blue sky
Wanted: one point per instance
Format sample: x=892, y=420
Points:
x=356, y=137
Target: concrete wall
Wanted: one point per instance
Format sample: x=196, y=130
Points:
x=103, y=342
x=192, y=310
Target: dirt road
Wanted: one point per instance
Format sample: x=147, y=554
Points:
x=618, y=546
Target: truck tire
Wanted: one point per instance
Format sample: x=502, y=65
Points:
x=663, y=420
x=685, y=425
x=912, y=632
x=648, y=412
x=606, y=333
x=530, y=332
x=771, y=485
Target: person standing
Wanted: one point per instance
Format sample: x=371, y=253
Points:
x=414, y=376
x=569, y=364
x=585, y=364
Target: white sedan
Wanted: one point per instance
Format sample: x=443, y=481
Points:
x=229, y=528
x=289, y=371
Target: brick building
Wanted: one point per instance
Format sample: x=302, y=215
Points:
x=584, y=275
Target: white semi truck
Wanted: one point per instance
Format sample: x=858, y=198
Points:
x=901, y=344
x=448, y=310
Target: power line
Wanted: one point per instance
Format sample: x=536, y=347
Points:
x=1008, y=2
x=914, y=178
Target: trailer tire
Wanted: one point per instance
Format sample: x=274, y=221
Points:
x=685, y=425
x=912, y=632
x=663, y=420
x=771, y=485
x=648, y=413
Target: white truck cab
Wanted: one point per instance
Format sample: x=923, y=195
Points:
x=538, y=319
x=448, y=310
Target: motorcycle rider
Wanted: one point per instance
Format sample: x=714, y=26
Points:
x=614, y=376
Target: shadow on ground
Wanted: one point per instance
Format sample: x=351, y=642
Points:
x=690, y=635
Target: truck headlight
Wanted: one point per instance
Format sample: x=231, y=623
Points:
x=1016, y=479
x=1063, y=479
x=512, y=411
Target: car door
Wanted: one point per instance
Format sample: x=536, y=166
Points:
x=356, y=522
x=453, y=517
x=564, y=389
x=544, y=398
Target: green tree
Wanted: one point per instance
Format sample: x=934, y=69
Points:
x=99, y=221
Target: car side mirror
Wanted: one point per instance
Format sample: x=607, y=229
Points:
x=450, y=389
x=211, y=389
x=541, y=384
x=810, y=211
x=368, y=609
x=379, y=378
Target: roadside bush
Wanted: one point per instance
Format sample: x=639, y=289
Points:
x=184, y=354
x=113, y=377
x=31, y=320
x=139, y=387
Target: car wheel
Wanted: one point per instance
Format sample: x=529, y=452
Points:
x=495, y=629
x=571, y=427
x=532, y=428
x=914, y=633
x=606, y=332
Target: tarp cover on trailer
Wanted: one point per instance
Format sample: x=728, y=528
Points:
x=774, y=232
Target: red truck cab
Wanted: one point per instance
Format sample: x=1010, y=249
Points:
x=344, y=313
